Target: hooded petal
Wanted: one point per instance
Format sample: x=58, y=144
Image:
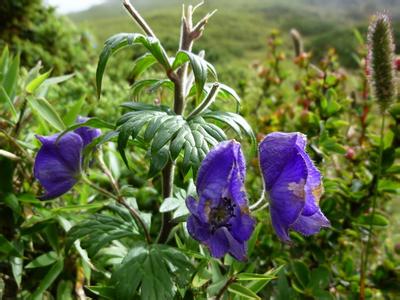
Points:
x=215, y=171
x=58, y=164
x=309, y=225
x=275, y=151
x=285, y=174
x=293, y=183
x=87, y=134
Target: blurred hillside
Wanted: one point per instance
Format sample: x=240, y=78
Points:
x=241, y=27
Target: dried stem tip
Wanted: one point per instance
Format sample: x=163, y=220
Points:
x=381, y=60
x=297, y=42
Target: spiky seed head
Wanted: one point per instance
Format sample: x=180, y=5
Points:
x=381, y=60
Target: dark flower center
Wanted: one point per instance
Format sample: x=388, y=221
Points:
x=220, y=215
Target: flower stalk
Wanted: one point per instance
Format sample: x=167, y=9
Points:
x=118, y=197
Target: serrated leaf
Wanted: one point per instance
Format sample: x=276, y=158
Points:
x=47, y=112
x=199, y=66
x=158, y=161
x=166, y=132
x=235, y=121
x=101, y=229
x=122, y=40
x=150, y=269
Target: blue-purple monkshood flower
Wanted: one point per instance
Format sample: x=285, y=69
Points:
x=293, y=185
x=58, y=164
x=221, y=219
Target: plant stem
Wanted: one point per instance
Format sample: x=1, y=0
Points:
x=118, y=198
x=138, y=18
x=364, y=258
x=167, y=191
x=224, y=288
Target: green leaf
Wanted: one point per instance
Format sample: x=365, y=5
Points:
x=6, y=99
x=151, y=85
x=169, y=204
x=166, y=132
x=199, y=66
x=100, y=229
x=4, y=63
x=235, y=121
x=319, y=278
x=225, y=92
x=7, y=248
x=47, y=112
x=258, y=284
x=73, y=112
x=142, y=63
x=11, y=78
x=43, y=88
x=48, y=279
x=43, y=260
x=301, y=272
x=122, y=40
x=65, y=290
x=255, y=277
x=35, y=83
x=151, y=269
x=377, y=220
x=177, y=204
x=12, y=202
x=16, y=267
x=242, y=291
x=158, y=161
x=104, y=292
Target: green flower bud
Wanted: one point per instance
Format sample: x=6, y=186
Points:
x=381, y=60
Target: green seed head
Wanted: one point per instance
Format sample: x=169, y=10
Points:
x=381, y=60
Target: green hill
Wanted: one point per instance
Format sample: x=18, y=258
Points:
x=240, y=27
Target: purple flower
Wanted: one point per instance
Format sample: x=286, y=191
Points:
x=221, y=219
x=293, y=184
x=58, y=164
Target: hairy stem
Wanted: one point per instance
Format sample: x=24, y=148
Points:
x=364, y=258
x=138, y=18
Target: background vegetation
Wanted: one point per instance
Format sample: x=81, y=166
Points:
x=322, y=93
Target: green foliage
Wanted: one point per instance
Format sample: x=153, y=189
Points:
x=89, y=243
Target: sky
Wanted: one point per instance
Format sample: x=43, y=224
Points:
x=67, y=6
